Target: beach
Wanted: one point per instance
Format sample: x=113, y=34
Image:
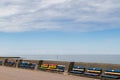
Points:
x=9, y=73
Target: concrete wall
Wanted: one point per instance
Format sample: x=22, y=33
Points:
x=69, y=65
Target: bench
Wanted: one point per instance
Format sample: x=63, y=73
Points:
x=31, y=66
x=23, y=64
x=51, y=67
x=43, y=67
x=111, y=74
x=1, y=62
x=93, y=72
x=10, y=63
x=26, y=65
x=77, y=70
x=59, y=68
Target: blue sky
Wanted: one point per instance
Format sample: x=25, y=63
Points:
x=33, y=27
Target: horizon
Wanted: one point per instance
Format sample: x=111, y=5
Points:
x=62, y=27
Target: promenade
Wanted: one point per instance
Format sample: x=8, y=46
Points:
x=9, y=73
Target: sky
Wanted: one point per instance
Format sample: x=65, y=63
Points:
x=34, y=27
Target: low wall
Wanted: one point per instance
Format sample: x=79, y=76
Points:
x=69, y=65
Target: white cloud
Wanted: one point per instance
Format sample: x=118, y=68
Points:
x=8, y=11
x=64, y=15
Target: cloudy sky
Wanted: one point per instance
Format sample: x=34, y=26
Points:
x=59, y=27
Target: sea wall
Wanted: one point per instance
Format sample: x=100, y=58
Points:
x=68, y=65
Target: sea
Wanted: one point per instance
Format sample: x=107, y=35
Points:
x=112, y=59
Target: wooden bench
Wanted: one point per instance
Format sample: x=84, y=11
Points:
x=77, y=70
x=111, y=74
x=93, y=72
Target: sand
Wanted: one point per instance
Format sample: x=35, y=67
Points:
x=9, y=73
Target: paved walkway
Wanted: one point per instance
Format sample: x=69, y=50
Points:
x=8, y=73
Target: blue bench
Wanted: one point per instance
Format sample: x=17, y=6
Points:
x=31, y=66
x=111, y=74
x=77, y=70
x=23, y=64
x=1, y=62
x=60, y=68
x=26, y=65
x=10, y=63
x=93, y=72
